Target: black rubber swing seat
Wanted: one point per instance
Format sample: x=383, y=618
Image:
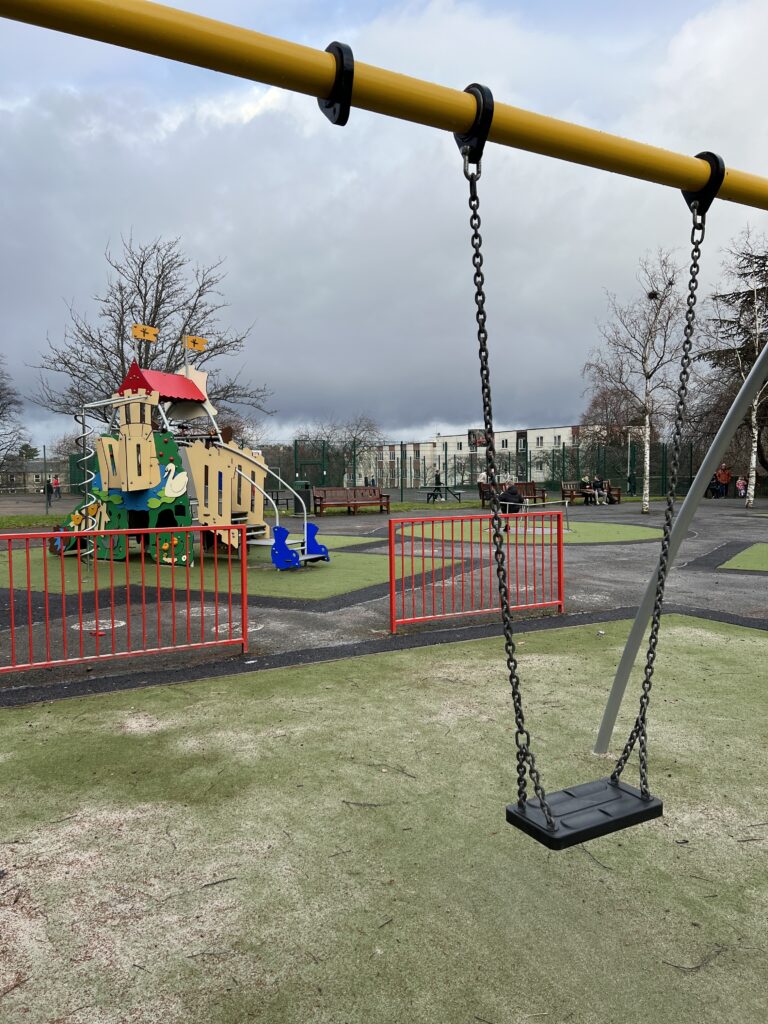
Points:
x=584, y=812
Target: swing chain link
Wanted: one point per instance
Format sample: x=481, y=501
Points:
x=639, y=732
x=525, y=757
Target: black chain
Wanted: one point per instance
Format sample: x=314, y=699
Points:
x=525, y=758
x=638, y=733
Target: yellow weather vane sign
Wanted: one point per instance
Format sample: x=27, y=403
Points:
x=143, y=332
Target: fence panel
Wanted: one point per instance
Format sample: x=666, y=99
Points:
x=444, y=566
x=59, y=604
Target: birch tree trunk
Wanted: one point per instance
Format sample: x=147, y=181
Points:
x=646, y=464
x=752, y=453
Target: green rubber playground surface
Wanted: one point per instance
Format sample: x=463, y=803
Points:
x=328, y=844
x=344, y=573
x=754, y=558
x=578, y=533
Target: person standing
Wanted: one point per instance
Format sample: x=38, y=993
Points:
x=723, y=478
x=56, y=487
x=741, y=487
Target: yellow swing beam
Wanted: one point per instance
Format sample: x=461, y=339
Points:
x=166, y=32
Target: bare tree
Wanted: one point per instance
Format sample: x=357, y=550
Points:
x=349, y=443
x=152, y=284
x=12, y=434
x=642, y=345
x=65, y=445
x=737, y=332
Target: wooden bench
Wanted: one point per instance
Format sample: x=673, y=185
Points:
x=281, y=498
x=526, y=488
x=572, y=490
x=350, y=498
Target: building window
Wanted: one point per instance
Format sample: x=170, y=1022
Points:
x=521, y=444
x=557, y=440
x=38, y=478
x=505, y=443
x=540, y=441
x=459, y=446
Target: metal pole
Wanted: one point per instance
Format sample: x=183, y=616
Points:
x=204, y=42
x=45, y=483
x=757, y=377
x=402, y=469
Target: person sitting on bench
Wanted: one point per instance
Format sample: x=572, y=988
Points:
x=598, y=489
x=510, y=501
x=586, y=490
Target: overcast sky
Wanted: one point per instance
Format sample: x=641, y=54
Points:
x=348, y=248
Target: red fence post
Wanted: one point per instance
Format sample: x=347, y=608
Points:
x=457, y=556
x=244, y=586
x=392, y=579
x=28, y=556
x=560, y=566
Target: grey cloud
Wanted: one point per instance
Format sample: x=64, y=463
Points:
x=349, y=249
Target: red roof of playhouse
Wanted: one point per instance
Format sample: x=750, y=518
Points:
x=173, y=386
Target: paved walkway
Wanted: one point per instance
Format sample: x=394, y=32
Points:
x=602, y=582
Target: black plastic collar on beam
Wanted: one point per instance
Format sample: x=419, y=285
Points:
x=337, y=106
x=472, y=142
x=705, y=196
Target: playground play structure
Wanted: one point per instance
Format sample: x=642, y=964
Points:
x=164, y=464
x=576, y=813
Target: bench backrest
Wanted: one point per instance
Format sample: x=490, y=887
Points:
x=330, y=493
x=366, y=493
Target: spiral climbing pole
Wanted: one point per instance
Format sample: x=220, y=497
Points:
x=86, y=548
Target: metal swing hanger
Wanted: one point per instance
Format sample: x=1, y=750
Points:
x=166, y=32
x=578, y=813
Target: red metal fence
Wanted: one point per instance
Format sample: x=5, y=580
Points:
x=59, y=604
x=443, y=567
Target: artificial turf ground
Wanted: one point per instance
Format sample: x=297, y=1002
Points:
x=327, y=845
x=754, y=559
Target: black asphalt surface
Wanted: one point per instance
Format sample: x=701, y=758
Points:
x=602, y=582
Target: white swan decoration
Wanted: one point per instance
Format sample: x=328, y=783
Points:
x=175, y=485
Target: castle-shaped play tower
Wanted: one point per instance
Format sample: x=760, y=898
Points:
x=163, y=463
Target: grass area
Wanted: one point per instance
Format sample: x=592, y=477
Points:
x=335, y=850
x=754, y=558
x=30, y=521
x=579, y=533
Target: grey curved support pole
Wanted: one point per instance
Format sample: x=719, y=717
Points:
x=749, y=389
